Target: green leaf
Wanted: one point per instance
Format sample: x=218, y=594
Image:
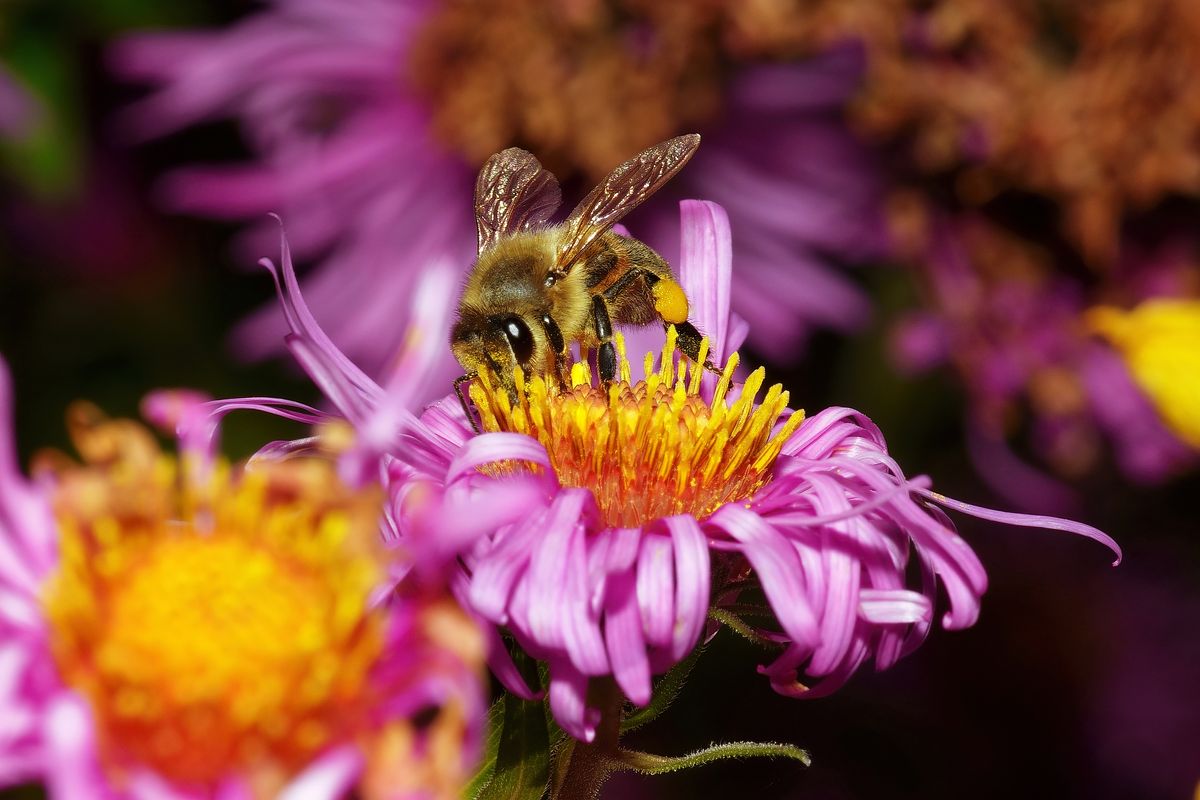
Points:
x=665, y=692
x=491, y=748
x=649, y=764
x=522, y=765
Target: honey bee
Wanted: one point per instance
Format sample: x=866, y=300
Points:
x=536, y=288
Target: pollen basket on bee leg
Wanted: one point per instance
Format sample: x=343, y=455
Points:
x=670, y=301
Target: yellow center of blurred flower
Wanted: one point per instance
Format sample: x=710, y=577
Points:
x=1160, y=341
x=653, y=448
x=238, y=642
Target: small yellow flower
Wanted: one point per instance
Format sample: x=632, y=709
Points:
x=1160, y=341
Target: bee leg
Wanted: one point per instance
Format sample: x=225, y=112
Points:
x=606, y=356
x=462, y=399
x=559, y=345
x=688, y=339
x=672, y=306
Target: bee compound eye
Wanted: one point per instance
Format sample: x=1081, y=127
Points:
x=519, y=338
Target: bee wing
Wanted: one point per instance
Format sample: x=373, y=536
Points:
x=513, y=192
x=622, y=191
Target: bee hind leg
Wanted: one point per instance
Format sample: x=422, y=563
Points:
x=688, y=339
x=671, y=305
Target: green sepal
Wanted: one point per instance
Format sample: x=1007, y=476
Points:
x=739, y=626
x=665, y=691
x=649, y=764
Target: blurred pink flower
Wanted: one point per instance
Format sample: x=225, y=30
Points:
x=684, y=501
x=344, y=147
x=151, y=631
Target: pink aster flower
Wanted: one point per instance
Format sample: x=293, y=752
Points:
x=367, y=137
x=184, y=631
x=672, y=499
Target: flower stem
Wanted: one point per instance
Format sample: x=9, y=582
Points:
x=588, y=764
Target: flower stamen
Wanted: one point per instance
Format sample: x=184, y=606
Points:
x=222, y=628
x=653, y=448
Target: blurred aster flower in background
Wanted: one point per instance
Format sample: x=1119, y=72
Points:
x=177, y=629
x=660, y=498
x=367, y=120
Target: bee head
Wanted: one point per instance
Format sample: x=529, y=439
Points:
x=495, y=342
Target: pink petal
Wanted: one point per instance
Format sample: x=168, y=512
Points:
x=894, y=607
x=706, y=269
x=655, y=589
x=489, y=448
x=623, y=636
x=328, y=778
x=502, y=565
x=581, y=626
x=841, y=572
x=548, y=569
x=69, y=735
x=568, y=701
x=692, y=583
x=1028, y=521
x=778, y=569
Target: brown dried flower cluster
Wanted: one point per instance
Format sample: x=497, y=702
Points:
x=1093, y=103
x=582, y=83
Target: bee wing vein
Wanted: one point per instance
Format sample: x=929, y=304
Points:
x=514, y=192
x=625, y=188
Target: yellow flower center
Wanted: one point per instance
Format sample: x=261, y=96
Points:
x=1160, y=341
x=239, y=641
x=653, y=448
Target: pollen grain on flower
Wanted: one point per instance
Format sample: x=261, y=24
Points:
x=651, y=448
